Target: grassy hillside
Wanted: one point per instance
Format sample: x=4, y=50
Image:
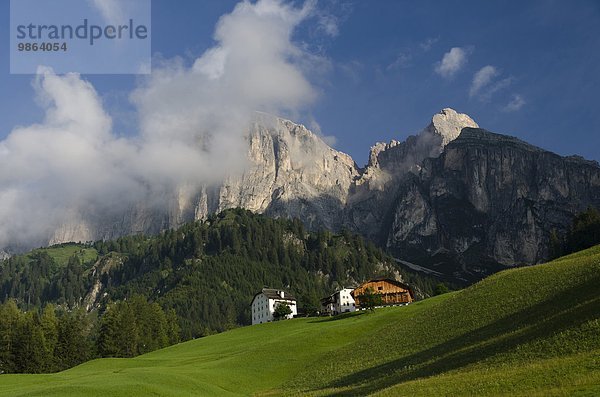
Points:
x=532, y=331
x=62, y=252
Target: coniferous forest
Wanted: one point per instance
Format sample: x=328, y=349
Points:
x=136, y=294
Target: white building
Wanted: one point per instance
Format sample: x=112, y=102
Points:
x=339, y=302
x=265, y=302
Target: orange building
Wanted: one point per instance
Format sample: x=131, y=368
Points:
x=392, y=292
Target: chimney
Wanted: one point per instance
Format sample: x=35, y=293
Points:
x=282, y=294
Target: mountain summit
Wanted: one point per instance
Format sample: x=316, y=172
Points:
x=454, y=198
x=448, y=124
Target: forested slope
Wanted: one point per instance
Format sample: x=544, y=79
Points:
x=200, y=278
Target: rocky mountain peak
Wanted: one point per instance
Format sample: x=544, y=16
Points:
x=448, y=124
x=400, y=157
x=379, y=148
x=455, y=198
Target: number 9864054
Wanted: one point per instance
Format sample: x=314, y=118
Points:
x=46, y=47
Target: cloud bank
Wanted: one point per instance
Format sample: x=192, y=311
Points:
x=74, y=168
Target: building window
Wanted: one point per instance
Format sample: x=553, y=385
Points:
x=380, y=288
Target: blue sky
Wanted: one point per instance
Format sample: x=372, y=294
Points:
x=537, y=62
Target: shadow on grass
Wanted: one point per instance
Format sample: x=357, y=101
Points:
x=342, y=316
x=550, y=317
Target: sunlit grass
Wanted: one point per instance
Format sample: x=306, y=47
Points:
x=531, y=331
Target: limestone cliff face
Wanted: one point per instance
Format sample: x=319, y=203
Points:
x=291, y=173
x=376, y=190
x=489, y=201
x=454, y=198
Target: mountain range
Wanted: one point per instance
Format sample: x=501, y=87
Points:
x=454, y=200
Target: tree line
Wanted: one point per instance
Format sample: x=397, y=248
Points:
x=36, y=279
x=54, y=339
x=583, y=233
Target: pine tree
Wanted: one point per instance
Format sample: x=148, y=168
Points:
x=49, y=327
x=9, y=318
x=173, y=330
x=555, y=246
x=108, y=339
x=73, y=346
x=151, y=325
x=585, y=231
x=29, y=345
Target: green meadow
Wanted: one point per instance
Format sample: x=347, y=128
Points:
x=525, y=332
x=63, y=252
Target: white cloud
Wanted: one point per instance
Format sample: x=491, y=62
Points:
x=428, y=43
x=497, y=86
x=452, y=62
x=315, y=127
x=330, y=15
x=70, y=158
x=485, y=83
x=329, y=24
x=402, y=61
x=482, y=78
x=515, y=104
x=73, y=168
